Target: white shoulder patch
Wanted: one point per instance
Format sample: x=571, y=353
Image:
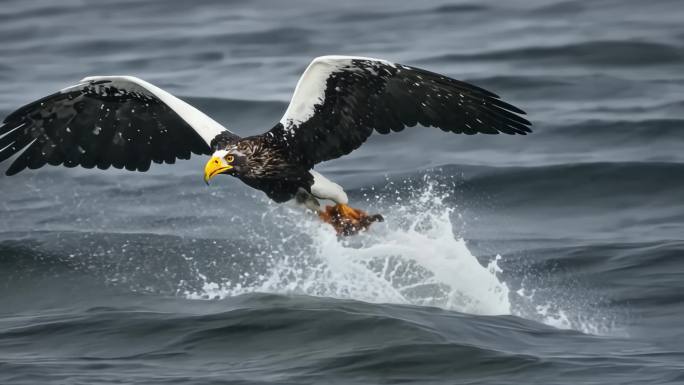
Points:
x=311, y=87
x=310, y=90
x=332, y=58
x=205, y=126
x=323, y=188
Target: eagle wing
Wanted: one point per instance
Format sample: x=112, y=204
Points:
x=339, y=101
x=103, y=121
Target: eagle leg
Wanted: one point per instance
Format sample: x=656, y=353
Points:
x=347, y=220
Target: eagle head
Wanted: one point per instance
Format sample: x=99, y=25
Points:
x=222, y=162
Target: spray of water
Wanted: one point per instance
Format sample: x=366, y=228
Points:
x=416, y=257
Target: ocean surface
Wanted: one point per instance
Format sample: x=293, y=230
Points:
x=552, y=258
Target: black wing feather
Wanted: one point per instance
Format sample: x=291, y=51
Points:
x=365, y=95
x=99, y=123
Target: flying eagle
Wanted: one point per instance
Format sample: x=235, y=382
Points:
x=126, y=122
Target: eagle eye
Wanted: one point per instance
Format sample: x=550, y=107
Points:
x=229, y=158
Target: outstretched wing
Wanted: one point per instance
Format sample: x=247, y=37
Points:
x=103, y=121
x=340, y=100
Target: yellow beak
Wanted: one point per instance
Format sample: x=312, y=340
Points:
x=214, y=167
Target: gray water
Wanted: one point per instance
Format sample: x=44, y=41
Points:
x=554, y=258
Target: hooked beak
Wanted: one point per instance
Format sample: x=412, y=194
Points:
x=214, y=167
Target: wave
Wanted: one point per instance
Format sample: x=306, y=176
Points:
x=592, y=183
x=418, y=257
x=356, y=337
x=619, y=140
x=316, y=339
x=592, y=53
x=448, y=9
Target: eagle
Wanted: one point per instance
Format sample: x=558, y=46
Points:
x=338, y=102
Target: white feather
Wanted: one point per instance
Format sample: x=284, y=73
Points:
x=323, y=188
x=310, y=89
x=220, y=153
x=205, y=126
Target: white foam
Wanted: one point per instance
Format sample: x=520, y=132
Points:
x=414, y=258
x=417, y=262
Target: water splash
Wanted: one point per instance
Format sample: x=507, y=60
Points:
x=416, y=257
